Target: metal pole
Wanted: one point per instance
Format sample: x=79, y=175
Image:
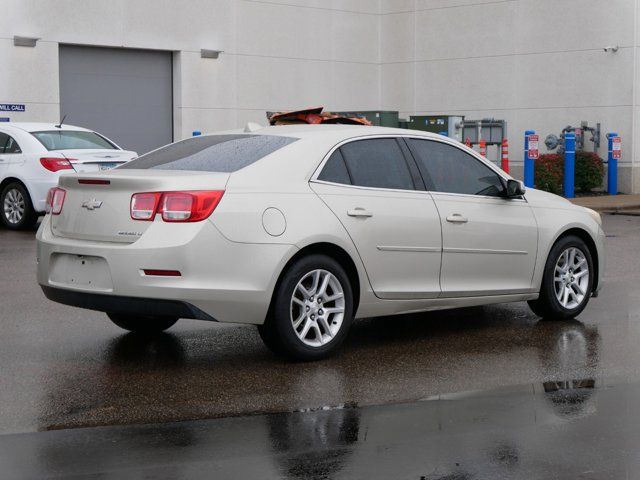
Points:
x=569, y=164
x=528, y=162
x=612, y=167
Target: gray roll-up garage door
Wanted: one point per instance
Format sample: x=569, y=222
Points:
x=124, y=94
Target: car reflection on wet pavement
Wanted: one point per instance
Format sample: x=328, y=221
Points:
x=475, y=393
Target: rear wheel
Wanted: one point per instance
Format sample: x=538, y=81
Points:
x=141, y=323
x=312, y=310
x=17, y=210
x=567, y=281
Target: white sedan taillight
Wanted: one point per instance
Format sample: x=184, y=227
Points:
x=189, y=206
x=55, y=200
x=56, y=164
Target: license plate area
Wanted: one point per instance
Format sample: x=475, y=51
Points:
x=80, y=271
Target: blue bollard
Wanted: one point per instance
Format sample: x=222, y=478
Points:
x=196, y=133
x=528, y=162
x=569, y=164
x=612, y=167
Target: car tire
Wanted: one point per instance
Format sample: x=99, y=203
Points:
x=567, y=281
x=141, y=323
x=301, y=324
x=16, y=209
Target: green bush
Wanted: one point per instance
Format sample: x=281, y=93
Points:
x=549, y=172
x=589, y=171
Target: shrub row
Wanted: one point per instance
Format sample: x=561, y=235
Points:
x=549, y=172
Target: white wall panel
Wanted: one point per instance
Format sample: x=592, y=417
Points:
x=354, y=37
x=397, y=86
x=476, y=83
x=439, y=4
x=355, y=86
x=574, y=79
x=473, y=31
x=284, y=31
x=207, y=83
x=397, y=43
x=33, y=73
x=552, y=25
x=277, y=83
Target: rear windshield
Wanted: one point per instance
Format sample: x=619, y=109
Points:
x=72, y=140
x=211, y=153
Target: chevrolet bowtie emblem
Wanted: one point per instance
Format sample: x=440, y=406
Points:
x=92, y=204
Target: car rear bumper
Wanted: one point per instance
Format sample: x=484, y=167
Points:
x=125, y=305
x=220, y=279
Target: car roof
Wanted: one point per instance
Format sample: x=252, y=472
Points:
x=330, y=131
x=38, y=127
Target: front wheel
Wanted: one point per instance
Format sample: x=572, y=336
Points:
x=312, y=310
x=141, y=323
x=567, y=280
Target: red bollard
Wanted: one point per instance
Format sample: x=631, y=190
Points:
x=505, y=155
x=467, y=142
x=483, y=148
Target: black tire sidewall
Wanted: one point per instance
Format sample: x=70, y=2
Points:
x=551, y=307
x=29, y=216
x=279, y=322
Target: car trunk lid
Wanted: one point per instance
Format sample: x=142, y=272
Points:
x=97, y=206
x=88, y=161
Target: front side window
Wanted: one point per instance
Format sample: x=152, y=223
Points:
x=211, y=153
x=446, y=168
x=72, y=140
x=378, y=163
x=8, y=144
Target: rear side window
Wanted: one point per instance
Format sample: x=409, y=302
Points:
x=211, y=153
x=8, y=144
x=446, y=168
x=335, y=170
x=378, y=163
x=72, y=140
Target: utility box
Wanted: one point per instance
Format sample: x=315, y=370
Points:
x=378, y=118
x=448, y=125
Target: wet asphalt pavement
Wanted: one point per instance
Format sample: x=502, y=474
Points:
x=555, y=430
x=63, y=368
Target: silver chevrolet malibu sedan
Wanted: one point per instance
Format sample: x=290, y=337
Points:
x=301, y=229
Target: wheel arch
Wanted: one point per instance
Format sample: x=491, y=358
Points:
x=11, y=179
x=337, y=253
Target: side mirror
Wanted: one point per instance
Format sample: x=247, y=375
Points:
x=515, y=188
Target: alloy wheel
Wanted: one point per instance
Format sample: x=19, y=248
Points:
x=571, y=278
x=14, y=206
x=317, y=308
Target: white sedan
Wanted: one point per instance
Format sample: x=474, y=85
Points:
x=34, y=155
x=301, y=229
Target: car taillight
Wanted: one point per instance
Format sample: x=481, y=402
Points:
x=144, y=206
x=56, y=164
x=55, y=200
x=189, y=206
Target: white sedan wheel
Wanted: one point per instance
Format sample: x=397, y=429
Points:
x=317, y=308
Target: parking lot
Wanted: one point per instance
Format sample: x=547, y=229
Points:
x=64, y=367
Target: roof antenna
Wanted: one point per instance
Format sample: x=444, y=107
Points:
x=61, y=122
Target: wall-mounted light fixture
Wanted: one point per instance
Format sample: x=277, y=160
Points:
x=612, y=49
x=204, y=53
x=25, y=41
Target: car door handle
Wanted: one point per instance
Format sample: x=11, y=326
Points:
x=359, y=212
x=457, y=218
